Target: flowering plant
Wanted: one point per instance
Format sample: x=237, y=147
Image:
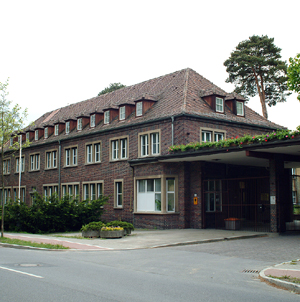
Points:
x=232, y=219
x=108, y=228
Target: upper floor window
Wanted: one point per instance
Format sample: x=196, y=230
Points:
x=36, y=135
x=93, y=153
x=67, y=127
x=118, y=193
x=119, y=148
x=46, y=133
x=71, y=156
x=240, y=108
x=56, y=128
x=51, y=159
x=93, y=120
x=211, y=135
x=6, y=166
x=79, y=124
x=34, y=162
x=106, y=117
x=219, y=104
x=149, y=143
x=18, y=164
x=122, y=113
x=11, y=141
x=139, y=108
x=27, y=136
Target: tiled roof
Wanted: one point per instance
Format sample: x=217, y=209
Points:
x=174, y=93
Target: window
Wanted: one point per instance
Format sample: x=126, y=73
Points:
x=149, y=144
x=49, y=190
x=213, y=196
x=51, y=159
x=219, y=105
x=119, y=148
x=70, y=189
x=139, y=108
x=122, y=113
x=27, y=136
x=6, y=195
x=22, y=196
x=56, y=128
x=36, y=135
x=92, y=190
x=71, y=156
x=210, y=135
x=6, y=166
x=79, y=124
x=11, y=141
x=240, y=108
x=67, y=127
x=170, y=189
x=34, y=162
x=92, y=120
x=149, y=195
x=46, y=133
x=18, y=164
x=106, y=117
x=93, y=153
x=118, y=193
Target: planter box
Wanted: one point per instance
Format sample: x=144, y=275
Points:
x=232, y=224
x=91, y=234
x=127, y=232
x=111, y=234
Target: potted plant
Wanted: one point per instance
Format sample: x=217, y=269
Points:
x=232, y=223
x=127, y=226
x=111, y=232
x=92, y=229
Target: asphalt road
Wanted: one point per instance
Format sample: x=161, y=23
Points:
x=222, y=271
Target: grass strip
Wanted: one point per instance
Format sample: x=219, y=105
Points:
x=287, y=278
x=32, y=244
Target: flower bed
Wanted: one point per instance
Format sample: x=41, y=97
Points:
x=112, y=232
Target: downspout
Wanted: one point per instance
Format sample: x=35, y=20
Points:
x=131, y=199
x=172, y=118
x=59, y=161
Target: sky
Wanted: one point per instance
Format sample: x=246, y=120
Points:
x=57, y=53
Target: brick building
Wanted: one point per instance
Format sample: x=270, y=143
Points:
x=117, y=144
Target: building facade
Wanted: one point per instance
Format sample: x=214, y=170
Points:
x=112, y=145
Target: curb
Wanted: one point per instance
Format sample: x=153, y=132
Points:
x=283, y=284
x=26, y=247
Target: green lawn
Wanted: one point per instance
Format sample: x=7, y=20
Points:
x=32, y=244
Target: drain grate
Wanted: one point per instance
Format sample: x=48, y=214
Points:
x=251, y=271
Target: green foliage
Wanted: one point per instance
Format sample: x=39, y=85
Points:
x=255, y=67
x=293, y=73
x=53, y=215
x=238, y=141
x=112, y=87
x=33, y=244
x=123, y=224
x=93, y=226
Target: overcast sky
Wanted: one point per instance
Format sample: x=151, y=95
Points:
x=61, y=52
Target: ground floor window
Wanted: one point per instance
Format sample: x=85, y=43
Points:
x=70, y=189
x=49, y=190
x=92, y=190
x=213, y=195
x=6, y=195
x=22, y=194
x=119, y=193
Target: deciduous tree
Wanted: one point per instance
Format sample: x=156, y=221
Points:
x=293, y=73
x=112, y=87
x=255, y=67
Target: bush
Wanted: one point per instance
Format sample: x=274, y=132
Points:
x=52, y=215
x=123, y=224
x=93, y=226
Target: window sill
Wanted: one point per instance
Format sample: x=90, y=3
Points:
x=30, y=171
x=70, y=166
x=118, y=208
x=117, y=160
x=156, y=213
x=47, y=169
x=89, y=164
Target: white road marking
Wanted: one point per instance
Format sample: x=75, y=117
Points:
x=13, y=270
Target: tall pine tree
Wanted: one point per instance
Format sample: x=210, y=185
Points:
x=255, y=67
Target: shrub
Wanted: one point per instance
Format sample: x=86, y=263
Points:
x=93, y=226
x=125, y=225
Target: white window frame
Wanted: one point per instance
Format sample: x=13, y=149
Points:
x=106, y=117
x=212, y=134
x=11, y=141
x=46, y=132
x=170, y=193
x=239, y=108
x=122, y=113
x=56, y=130
x=27, y=136
x=119, y=148
x=72, y=187
x=93, y=120
x=149, y=143
x=93, y=152
x=35, y=160
x=139, y=108
x=6, y=166
x=218, y=136
x=219, y=104
x=68, y=127
x=92, y=190
x=50, y=189
x=119, y=189
x=115, y=149
x=18, y=164
x=71, y=154
x=36, y=135
x=79, y=124
x=149, y=198
x=51, y=159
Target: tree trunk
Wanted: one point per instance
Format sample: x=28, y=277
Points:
x=261, y=94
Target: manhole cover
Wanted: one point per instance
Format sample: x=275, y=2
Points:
x=251, y=271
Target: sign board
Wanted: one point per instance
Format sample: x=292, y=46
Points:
x=195, y=200
x=272, y=199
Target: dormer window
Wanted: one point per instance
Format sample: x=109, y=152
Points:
x=106, y=117
x=79, y=124
x=36, y=135
x=93, y=120
x=67, y=127
x=139, y=108
x=11, y=141
x=240, y=108
x=56, y=128
x=122, y=113
x=219, y=104
x=27, y=136
x=46, y=133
